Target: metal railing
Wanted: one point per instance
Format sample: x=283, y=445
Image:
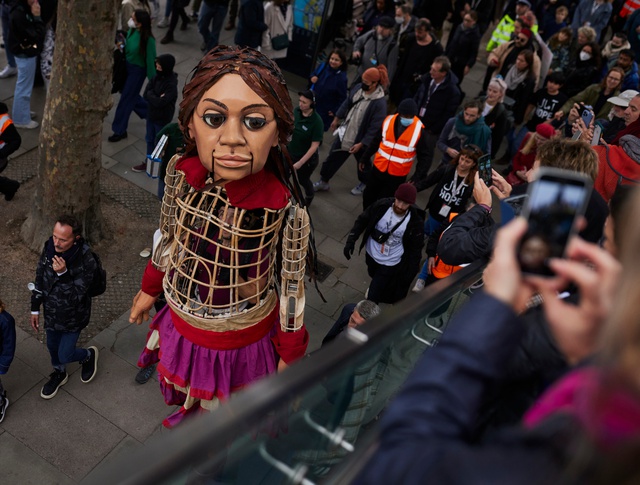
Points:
x=313, y=423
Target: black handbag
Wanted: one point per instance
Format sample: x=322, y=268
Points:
x=280, y=42
x=381, y=237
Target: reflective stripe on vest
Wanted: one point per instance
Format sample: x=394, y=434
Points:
x=4, y=122
x=629, y=7
x=396, y=156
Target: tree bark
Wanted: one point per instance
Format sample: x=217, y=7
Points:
x=79, y=98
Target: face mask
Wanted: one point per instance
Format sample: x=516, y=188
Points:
x=406, y=121
x=584, y=56
x=131, y=24
x=367, y=87
x=399, y=20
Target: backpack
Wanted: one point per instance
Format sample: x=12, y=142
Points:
x=99, y=281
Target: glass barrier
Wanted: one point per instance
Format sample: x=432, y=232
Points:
x=299, y=426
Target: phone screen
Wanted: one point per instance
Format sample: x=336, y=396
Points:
x=484, y=169
x=556, y=199
x=597, y=133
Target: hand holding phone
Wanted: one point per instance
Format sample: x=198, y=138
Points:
x=484, y=169
x=557, y=199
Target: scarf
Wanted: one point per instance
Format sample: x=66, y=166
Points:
x=515, y=77
x=477, y=133
x=632, y=129
x=610, y=415
x=69, y=256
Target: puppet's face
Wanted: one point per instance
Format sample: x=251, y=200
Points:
x=234, y=129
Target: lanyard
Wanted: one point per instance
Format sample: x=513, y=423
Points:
x=457, y=189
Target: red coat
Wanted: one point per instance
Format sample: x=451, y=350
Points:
x=615, y=167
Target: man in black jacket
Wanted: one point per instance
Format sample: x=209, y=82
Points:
x=462, y=49
x=438, y=99
x=393, y=237
x=63, y=280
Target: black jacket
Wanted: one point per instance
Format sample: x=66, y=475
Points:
x=499, y=120
x=412, y=241
x=161, y=92
x=468, y=238
x=442, y=105
x=250, y=23
x=67, y=304
x=462, y=50
x=26, y=33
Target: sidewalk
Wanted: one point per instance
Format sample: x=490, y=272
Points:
x=63, y=440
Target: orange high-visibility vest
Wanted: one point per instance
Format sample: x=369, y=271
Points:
x=441, y=269
x=629, y=7
x=396, y=156
x=4, y=122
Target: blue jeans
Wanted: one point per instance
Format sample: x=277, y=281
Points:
x=167, y=8
x=211, y=15
x=431, y=225
x=24, y=87
x=152, y=132
x=11, y=60
x=62, y=348
x=130, y=100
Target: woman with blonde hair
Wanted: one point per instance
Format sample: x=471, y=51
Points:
x=496, y=115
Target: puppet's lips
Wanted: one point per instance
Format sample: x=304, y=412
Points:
x=233, y=160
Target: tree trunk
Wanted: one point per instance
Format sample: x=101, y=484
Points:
x=79, y=98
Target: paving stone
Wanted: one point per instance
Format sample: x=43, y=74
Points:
x=63, y=431
x=127, y=445
x=32, y=469
x=18, y=381
x=113, y=394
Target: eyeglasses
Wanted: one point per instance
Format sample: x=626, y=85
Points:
x=521, y=39
x=474, y=148
x=614, y=78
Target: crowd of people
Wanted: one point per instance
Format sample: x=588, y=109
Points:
x=561, y=90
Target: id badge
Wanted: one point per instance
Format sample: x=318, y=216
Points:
x=422, y=111
x=373, y=61
x=444, y=210
x=384, y=249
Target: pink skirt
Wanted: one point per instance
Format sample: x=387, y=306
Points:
x=197, y=378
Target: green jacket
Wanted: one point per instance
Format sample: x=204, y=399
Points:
x=589, y=96
x=132, y=52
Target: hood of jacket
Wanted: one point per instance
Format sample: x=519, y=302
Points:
x=167, y=62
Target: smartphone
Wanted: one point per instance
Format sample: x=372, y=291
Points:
x=586, y=115
x=484, y=169
x=557, y=198
x=577, y=135
x=597, y=133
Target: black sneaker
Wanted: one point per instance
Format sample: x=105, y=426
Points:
x=145, y=374
x=90, y=366
x=4, y=404
x=56, y=379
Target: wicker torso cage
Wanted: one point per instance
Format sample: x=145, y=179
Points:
x=219, y=259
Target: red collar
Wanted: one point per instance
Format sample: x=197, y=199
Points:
x=256, y=191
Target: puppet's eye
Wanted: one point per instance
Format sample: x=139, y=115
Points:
x=214, y=120
x=254, y=122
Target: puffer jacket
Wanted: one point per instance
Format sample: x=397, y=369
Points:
x=66, y=300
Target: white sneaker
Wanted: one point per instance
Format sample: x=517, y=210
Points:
x=321, y=186
x=358, y=189
x=8, y=71
x=32, y=125
x=164, y=23
x=419, y=286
